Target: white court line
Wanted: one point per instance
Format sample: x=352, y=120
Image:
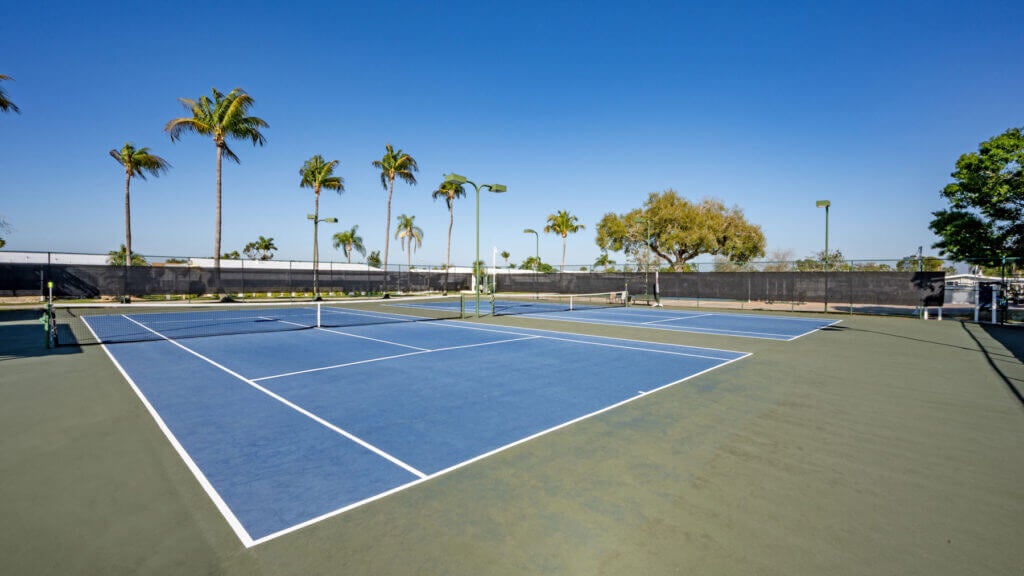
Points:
x=518, y=331
x=674, y=318
x=455, y=467
x=292, y=405
x=356, y=336
x=698, y=330
x=204, y=482
x=369, y=360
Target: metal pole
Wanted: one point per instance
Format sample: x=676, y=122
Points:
x=827, y=266
x=476, y=267
x=316, y=253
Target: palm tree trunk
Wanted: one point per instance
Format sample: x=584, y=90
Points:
x=316, y=242
x=387, y=231
x=127, y=218
x=562, y=269
x=448, y=251
x=348, y=253
x=216, y=237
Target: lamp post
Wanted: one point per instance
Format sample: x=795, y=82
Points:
x=647, y=242
x=316, y=250
x=536, y=258
x=497, y=189
x=825, y=204
x=536, y=253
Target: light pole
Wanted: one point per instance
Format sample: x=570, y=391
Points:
x=497, y=189
x=316, y=251
x=825, y=204
x=536, y=253
x=647, y=242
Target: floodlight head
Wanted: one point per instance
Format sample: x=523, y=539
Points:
x=453, y=177
x=310, y=217
x=822, y=203
x=330, y=220
x=497, y=188
x=529, y=231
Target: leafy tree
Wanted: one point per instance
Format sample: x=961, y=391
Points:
x=176, y=261
x=779, y=261
x=221, y=117
x=449, y=190
x=682, y=230
x=5, y=104
x=262, y=249
x=233, y=255
x=117, y=258
x=563, y=223
x=373, y=259
x=818, y=262
x=348, y=241
x=985, y=218
x=913, y=264
x=137, y=162
x=532, y=263
x=604, y=261
x=409, y=233
x=394, y=164
x=5, y=228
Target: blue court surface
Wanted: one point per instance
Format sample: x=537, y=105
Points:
x=724, y=324
x=283, y=429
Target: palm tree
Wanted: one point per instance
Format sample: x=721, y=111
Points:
x=449, y=190
x=604, y=261
x=318, y=173
x=117, y=258
x=505, y=254
x=394, y=164
x=136, y=162
x=221, y=117
x=409, y=233
x=348, y=241
x=5, y=104
x=262, y=249
x=563, y=223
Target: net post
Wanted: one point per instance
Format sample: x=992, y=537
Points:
x=318, y=306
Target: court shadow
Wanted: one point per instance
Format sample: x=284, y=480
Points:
x=1012, y=338
x=22, y=336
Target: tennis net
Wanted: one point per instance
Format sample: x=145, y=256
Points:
x=82, y=324
x=509, y=304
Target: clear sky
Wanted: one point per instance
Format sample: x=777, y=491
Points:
x=579, y=106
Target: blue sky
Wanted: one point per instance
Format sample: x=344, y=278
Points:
x=579, y=106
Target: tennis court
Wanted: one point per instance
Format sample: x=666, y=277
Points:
x=286, y=427
x=610, y=309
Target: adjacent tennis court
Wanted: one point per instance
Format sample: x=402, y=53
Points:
x=611, y=308
x=284, y=428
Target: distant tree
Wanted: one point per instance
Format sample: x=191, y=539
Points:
x=5, y=104
x=117, y=258
x=394, y=164
x=563, y=223
x=985, y=219
x=176, y=261
x=449, y=190
x=505, y=256
x=221, y=117
x=604, y=261
x=233, y=255
x=410, y=234
x=348, y=241
x=818, y=263
x=779, y=261
x=5, y=228
x=926, y=264
x=532, y=263
x=374, y=259
x=137, y=162
x=262, y=249
x=682, y=230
